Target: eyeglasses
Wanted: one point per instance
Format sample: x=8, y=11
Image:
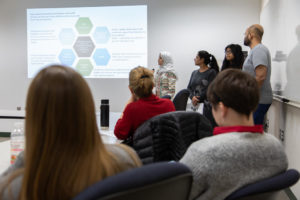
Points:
x=228, y=52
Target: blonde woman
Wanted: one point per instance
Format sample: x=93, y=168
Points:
x=165, y=76
x=142, y=105
x=64, y=153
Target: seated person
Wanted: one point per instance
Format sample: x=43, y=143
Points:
x=64, y=152
x=142, y=105
x=165, y=77
x=239, y=153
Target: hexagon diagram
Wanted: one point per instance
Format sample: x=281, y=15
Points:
x=101, y=57
x=67, y=57
x=84, y=25
x=101, y=35
x=66, y=36
x=84, y=67
x=84, y=46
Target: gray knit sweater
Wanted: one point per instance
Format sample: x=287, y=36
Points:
x=223, y=163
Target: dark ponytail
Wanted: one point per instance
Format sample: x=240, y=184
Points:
x=209, y=59
x=213, y=63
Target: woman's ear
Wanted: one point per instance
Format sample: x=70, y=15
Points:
x=223, y=109
x=131, y=91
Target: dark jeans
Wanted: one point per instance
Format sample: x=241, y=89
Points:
x=207, y=112
x=260, y=112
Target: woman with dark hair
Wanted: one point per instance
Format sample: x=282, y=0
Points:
x=142, y=105
x=200, y=80
x=234, y=57
x=64, y=153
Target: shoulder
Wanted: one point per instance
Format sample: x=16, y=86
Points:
x=212, y=72
x=261, y=50
x=167, y=103
x=125, y=154
x=132, y=106
x=194, y=72
x=230, y=142
x=12, y=189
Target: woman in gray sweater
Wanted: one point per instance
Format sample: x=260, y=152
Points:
x=239, y=153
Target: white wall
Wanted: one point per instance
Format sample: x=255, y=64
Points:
x=181, y=27
x=280, y=19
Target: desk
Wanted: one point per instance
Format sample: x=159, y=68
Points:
x=8, y=118
x=108, y=136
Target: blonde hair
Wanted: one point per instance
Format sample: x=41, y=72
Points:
x=64, y=152
x=141, y=81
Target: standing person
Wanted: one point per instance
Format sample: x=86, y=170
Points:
x=239, y=152
x=234, y=57
x=64, y=153
x=165, y=77
x=200, y=80
x=142, y=105
x=258, y=64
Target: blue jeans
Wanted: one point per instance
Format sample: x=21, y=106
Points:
x=260, y=112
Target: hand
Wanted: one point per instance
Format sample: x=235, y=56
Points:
x=195, y=100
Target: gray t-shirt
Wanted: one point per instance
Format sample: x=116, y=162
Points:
x=260, y=55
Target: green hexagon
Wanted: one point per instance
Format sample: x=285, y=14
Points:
x=84, y=25
x=84, y=67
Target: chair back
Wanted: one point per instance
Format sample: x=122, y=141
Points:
x=180, y=99
x=167, y=136
x=166, y=97
x=266, y=189
x=157, y=181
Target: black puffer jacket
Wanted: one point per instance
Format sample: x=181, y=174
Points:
x=167, y=136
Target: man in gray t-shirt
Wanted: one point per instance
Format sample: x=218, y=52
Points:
x=258, y=64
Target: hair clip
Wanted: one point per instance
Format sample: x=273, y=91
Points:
x=144, y=76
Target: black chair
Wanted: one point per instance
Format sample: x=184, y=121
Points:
x=267, y=188
x=167, y=136
x=166, y=97
x=157, y=181
x=180, y=99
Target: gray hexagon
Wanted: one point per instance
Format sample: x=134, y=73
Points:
x=101, y=35
x=84, y=46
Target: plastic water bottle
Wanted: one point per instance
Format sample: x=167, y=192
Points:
x=17, y=140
